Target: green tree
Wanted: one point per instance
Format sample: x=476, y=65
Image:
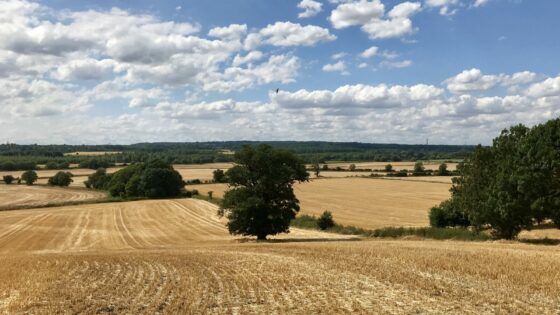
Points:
x=61, y=179
x=419, y=169
x=316, y=169
x=160, y=183
x=442, y=170
x=29, y=177
x=261, y=201
x=325, y=167
x=352, y=167
x=219, y=176
x=98, y=180
x=388, y=168
x=8, y=179
x=325, y=221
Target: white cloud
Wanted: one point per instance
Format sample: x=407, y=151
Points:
x=371, y=16
x=475, y=80
x=250, y=57
x=446, y=7
x=85, y=69
x=340, y=66
x=479, y=3
x=356, y=13
x=395, y=64
x=339, y=55
x=294, y=34
x=231, y=32
x=546, y=88
x=310, y=7
x=370, y=52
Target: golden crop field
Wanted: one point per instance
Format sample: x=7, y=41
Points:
x=30, y=196
x=363, y=202
x=175, y=256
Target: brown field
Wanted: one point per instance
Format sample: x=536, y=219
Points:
x=174, y=256
x=430, y=165
x=364, y=202
x=23, y=195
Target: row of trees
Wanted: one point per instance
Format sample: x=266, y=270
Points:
x=30, y=177
x=510, y=186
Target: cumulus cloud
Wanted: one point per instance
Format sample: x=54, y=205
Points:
x=370, y=52
x=339, y=66
x=310, y=8
x=548, y=87
x=370, y=15
x=475, y=80
x=446, y=7
x=294, y=34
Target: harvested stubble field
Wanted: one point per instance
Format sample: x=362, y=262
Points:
x=174, y=256
x=363, y=202
x=34, y=196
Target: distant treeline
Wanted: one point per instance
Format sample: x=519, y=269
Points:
x=20, y=157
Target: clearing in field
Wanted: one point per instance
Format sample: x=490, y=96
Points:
x=175, y=256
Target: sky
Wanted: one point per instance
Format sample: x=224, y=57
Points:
x=377, y=71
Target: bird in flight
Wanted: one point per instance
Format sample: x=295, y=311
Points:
x=277, y=90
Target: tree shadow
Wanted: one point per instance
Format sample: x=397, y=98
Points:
x=541, y=241
x=299, y=240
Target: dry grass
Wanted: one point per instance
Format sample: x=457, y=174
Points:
x=364, y=202
x=30, y=196
x=175, y=256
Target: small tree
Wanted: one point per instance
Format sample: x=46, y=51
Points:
x=261, y=201
x=8, y=179
x=419, y=169
x=316, y=169
x=442, y=170
x=98, y=180
x=325, y=221
x=352, y=167
x=210, y=194
x=219, y=176
x=325, y=167
x=61, y=179
x=388, y=168
x=29, y=177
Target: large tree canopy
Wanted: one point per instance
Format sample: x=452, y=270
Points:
x=261, y=200
x=512, y=185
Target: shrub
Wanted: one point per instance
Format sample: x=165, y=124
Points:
x=325, y=167
x=352, y=167
x=448, y=215
x=210, y=194
x=61, y=178
x=98, y=180
x=388, y=168
x=160, y=183
x=193, y=182
x=325, y=221
x=29, y=177
x=419, y=169
x=8, y=179
x=219, y=176
x=442, y=170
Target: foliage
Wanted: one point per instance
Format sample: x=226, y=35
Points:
x=53, y=165
x=98, y=180
x=152, y=179
x=29, y=177
x=352, y=167
x=8, y=179
x=219, y=176
x=388, y=168
x=442, y=170
x=261, y=201
x=419, y=169
x=514, y=184
x=317, y=169
x=448, y=215
x=61, y=178
x=325, y=221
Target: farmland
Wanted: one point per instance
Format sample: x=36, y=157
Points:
x=364, y=202
x=33, y=196
x=175, y=256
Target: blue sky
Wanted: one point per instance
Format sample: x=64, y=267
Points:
x=454, y=71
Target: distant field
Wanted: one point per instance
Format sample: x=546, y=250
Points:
x=23, y=195
x=175, y=257
x=364, y=202
x=98, y=153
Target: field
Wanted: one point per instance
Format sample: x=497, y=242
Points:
x=364, y=202
x=175, y=256
x=33, y=196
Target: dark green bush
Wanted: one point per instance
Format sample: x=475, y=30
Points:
x=8, y=179
x=447, y=214
x=61, y=178
x=98, y=180
x=29, y=177
x=325, y=221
